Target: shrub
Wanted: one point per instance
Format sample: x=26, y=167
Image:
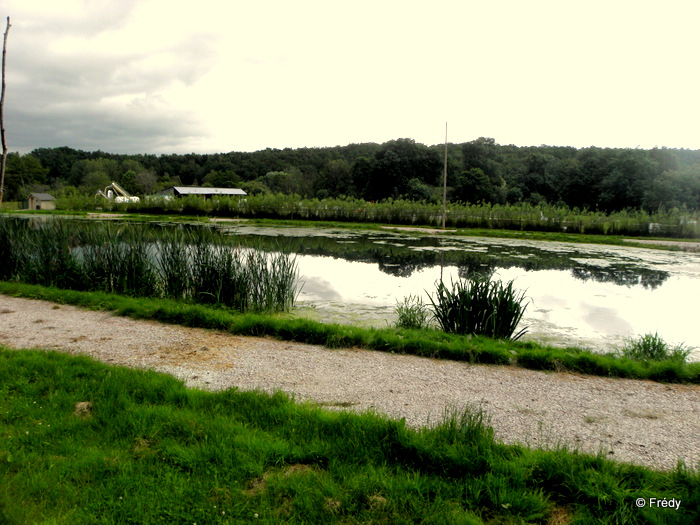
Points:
x=651, y=347
x=479, y=306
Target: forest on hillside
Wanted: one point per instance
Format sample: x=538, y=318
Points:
x=603, y=179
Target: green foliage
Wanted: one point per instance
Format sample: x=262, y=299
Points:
x=603, y=179
x=195, y=265
x=412, y=313
x=479, y=306
x=23, y=175
x=151, y=451
x=128, y=181
x=222, y=179
x=651, y=347
x=474, y=186
x=426, y=342
x=395, y=163
x=678, y=223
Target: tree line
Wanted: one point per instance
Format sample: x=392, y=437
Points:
x=604, y=179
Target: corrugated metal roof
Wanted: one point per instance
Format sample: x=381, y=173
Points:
x=42, y=196
x=186, y=190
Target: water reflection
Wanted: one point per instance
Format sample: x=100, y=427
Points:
x=581, y=295
x=403, y=255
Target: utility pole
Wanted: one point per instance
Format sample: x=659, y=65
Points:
x=444, y=184
x=2, y=118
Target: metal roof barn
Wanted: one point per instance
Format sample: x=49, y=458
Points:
x=180, y=191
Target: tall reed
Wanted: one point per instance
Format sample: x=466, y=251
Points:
x=118, y=259
x=196, y=265
x=519, y=216
x=479, y=306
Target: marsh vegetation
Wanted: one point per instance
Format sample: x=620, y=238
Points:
x=515, y=216
x=481, y=306
x=191, y=264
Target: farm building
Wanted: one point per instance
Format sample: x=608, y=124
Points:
x=40, y=201
x=207, y=193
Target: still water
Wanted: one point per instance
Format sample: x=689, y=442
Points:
x=590, y=296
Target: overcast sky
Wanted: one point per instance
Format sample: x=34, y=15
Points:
x=168, y=76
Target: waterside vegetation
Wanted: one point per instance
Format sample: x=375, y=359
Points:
x=85, y=443
x=652, y=347
x=513, y=217
x=194, y=265
x=424, y=342
x=479, y=306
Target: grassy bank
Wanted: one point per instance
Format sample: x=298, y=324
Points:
x=427, y=343
x=86, y=443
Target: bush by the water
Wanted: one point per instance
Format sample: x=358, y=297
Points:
x=197, y=264
x=652, y=347
x=479, y=306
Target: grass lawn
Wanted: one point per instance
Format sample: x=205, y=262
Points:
x=86, y=443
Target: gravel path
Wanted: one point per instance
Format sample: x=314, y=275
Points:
x=640, y=422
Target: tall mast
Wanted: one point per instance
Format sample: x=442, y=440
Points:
x=444, y=184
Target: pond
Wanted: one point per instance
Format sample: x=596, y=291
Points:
x=585, y=295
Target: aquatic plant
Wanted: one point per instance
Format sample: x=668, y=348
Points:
x=652, y=347
x=198, y=265
x=116, y=258
x=480, y=306
x=411, y=312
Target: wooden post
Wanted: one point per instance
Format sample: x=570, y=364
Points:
x=2, y=117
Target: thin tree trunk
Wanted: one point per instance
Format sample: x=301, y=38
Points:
x=2, y=114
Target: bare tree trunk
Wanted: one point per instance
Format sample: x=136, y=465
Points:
x=2, y=114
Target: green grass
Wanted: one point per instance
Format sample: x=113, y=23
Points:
x=585, y=238
x=412, y=313
x=148, y=450
x=651, y=347
x=426, y=342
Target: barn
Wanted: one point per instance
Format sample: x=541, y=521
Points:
x=207, y=193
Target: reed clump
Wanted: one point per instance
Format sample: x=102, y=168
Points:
x=479, y=306
x=197, y=265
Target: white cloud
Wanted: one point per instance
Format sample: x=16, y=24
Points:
x=217, y=76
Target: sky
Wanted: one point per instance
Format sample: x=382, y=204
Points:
x=208, y=76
